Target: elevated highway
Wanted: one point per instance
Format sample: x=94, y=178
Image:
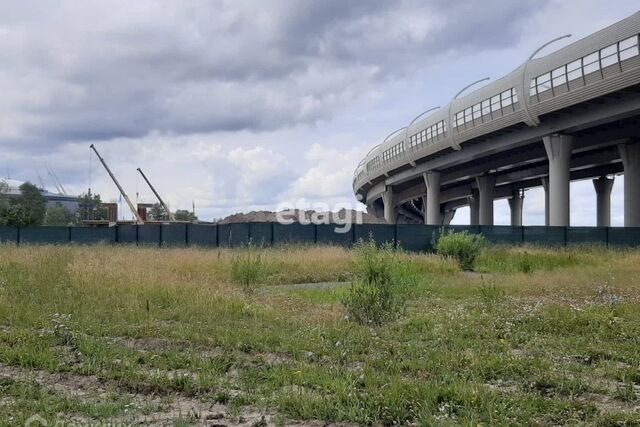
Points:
x=573, y=114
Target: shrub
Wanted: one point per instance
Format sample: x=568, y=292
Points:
x=378, y=292
x=462, y=246
x=248, y=268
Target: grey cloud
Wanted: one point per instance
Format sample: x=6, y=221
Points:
x=107, y=70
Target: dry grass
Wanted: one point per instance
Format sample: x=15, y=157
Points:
x=152, y=331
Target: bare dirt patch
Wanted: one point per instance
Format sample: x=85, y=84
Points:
x=165, y=410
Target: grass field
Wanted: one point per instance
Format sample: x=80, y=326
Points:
x=167, y=336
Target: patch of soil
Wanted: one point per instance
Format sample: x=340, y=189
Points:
x=165, y=411
x=148, y=343
x=605, y=404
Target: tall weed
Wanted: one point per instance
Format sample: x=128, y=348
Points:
x=379, y=290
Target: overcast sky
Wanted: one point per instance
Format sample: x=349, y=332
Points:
x=239, y=105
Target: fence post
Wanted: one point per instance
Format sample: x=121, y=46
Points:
x=395, y=235
x=315, y=234
x=353, y=233
x=217, y=235
x=186, y=234
x=160, y=236
x=137, y=235
x=271, y=237
x=18, y=235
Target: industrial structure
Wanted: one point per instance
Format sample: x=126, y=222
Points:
x=570, y=115
x=69, y=202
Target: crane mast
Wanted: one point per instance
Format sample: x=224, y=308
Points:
x=115, y=181
x=164, y=205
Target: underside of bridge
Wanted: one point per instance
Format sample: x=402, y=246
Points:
x=592, y=140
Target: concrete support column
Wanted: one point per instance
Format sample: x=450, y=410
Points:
x=432, y=181
x=474, y=208
x=515, y=204
x=424, y=208
x=447, y=216
x=558, y=148
x=603, y=186
x=486, y=184
x=374, y=209
x=545, y=186
x=390, y=210
x=630, y=154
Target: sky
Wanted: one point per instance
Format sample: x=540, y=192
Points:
x=238, y=105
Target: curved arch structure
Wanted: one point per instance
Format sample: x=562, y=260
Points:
x=563, y=116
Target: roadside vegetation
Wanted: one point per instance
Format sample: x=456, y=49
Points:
x=319, y=335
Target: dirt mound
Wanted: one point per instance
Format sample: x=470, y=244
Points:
x=296, y=215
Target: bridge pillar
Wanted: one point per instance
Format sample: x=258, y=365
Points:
x=558, y=148
x=486, y=184
x=375, y=210
x=432, y=181
x=424, y=208
x=474, y=207
x=448, y=216
x=390, y=210
x=515, y=205
x=630, y=153
x=545, y=186
x=603, y=186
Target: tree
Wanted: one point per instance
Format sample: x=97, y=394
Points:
x=184, y=215
x=58, y=215
x=32, y=203
x=158, y=213
x=90, y=207
x=15, y=215
x=4, y=203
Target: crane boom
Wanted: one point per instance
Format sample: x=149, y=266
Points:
x=115, y=181
x=164, y=205
x=53, y=174
x=55, y=184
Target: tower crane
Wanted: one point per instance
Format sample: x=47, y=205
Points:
x=135, y=213
x=164, y=205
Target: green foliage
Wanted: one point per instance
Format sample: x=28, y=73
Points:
x=378, y=292
x=248, y=268
x=157, y=213
x=12, y=214
x=33, y=203
x=27, y=209
x=185, y=215
x=58, y=215
x=462, y=246
x=90, y=207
